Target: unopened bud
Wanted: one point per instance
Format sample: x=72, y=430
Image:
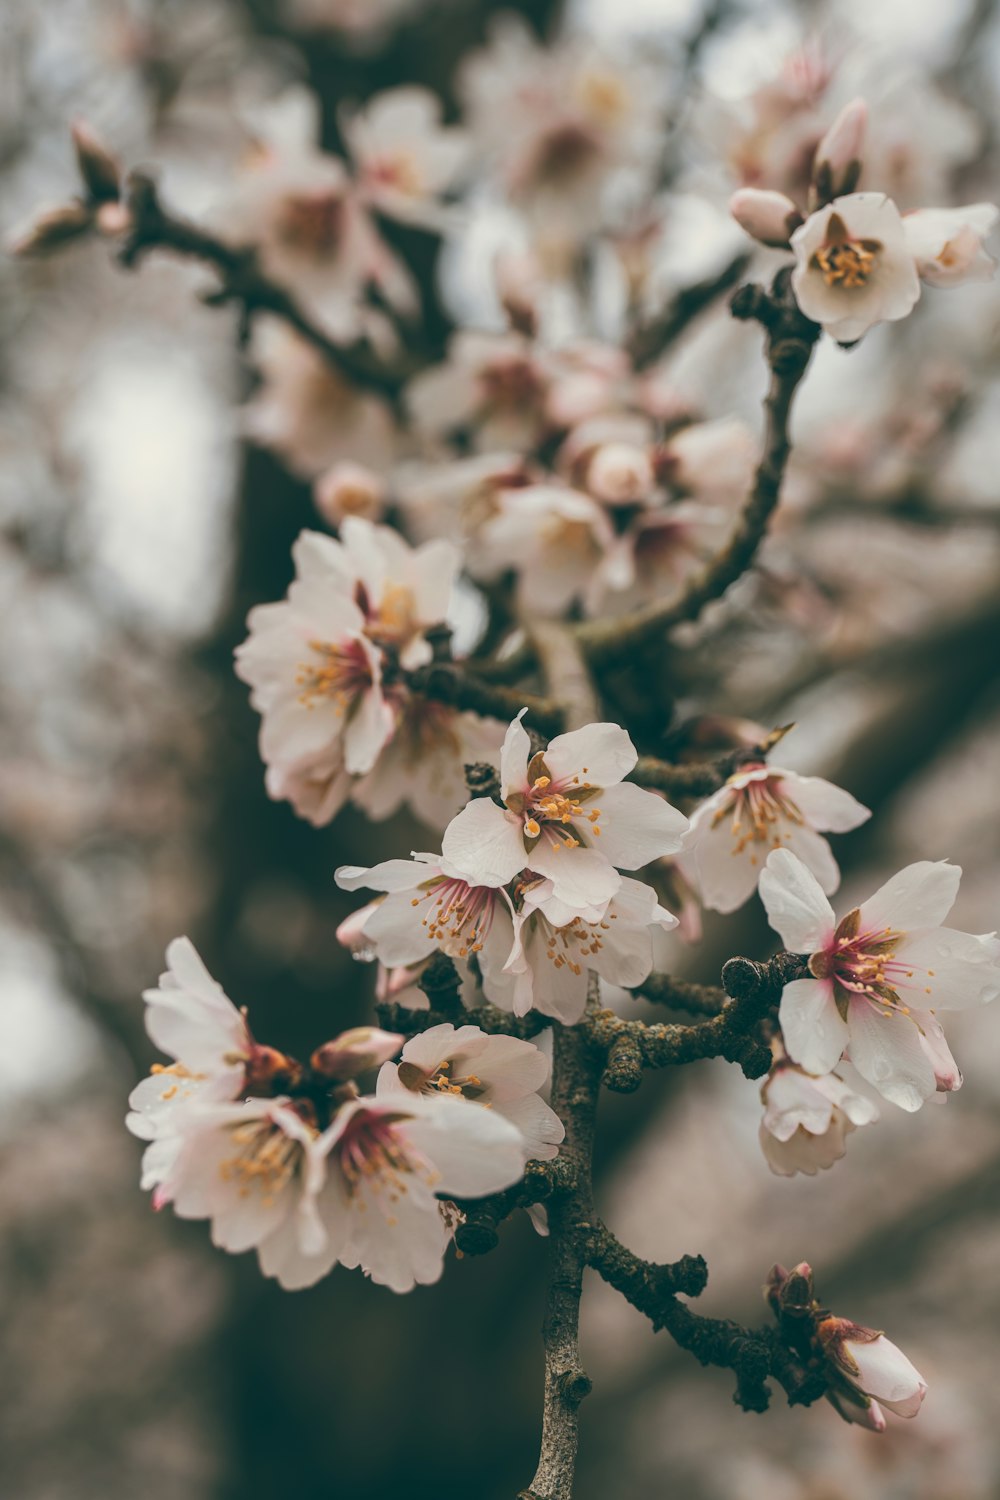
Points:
x=113, y=219
x=51, y=229
x=100, y=170
x=355, y=1051
x=620, y=474
x=790, y=1292
x=269, y=1069
x=837, y=164
x=349, y=490
x=766, y=215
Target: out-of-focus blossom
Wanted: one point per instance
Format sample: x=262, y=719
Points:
x=423, y=764
x=362, y=20
x=853, y=267
x=349, y=489
x=312, y=417
x=555, y=539
x=567, y=814
x=807, y=1119
x=766, y=215
x=837, y=167
x=404, y=158
x=307, y=216
x=761, y=808
x=354, y=1052
x=875, y=975
x=947, y=243
x=559, y=123
x=501, y=1072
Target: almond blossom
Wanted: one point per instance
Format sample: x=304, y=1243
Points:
x=423, y=764
x=807, y=1119
x=501, y=1072
x=404, y=158
x=853, y=266
x=761, y=808
x=870, y=1373
x=430, y=905
x=215, y=1058
x=875, y=977
x=556, y=539
x=556, y=945
x=566, y=815
x=947, y=243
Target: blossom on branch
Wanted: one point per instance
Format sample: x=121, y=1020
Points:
x=500, y=1072
x=567, y=815
x=807, y=1119
x=761, y=808
x=876, y=976
x=870, y=1373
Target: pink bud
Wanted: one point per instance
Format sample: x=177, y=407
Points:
x=351, y=932
x=620, y=473
x=863, y=1411
x=355, y=1051
x=838, y=155
x=113, y=219
x=766, y=215
x=349, y=489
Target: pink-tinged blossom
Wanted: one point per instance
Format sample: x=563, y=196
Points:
x=761, y=808
x=853, y=267
x=215, y=1058
x=567, y=816
x=310, y=222
x=429, y=905
x=355, y=1051
x=556, y=540
x=423, y=764
x=492, y=383
x=404, y=157
x=349, y=489
x=501, y=1072
x=871, y=1373
x=556, y=945
x=947, y=244
x=875, y=976
x=307, y=413
x=807, y=1119
x=315, y=676
x=361, y=1192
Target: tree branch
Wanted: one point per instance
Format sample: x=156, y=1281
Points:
x=790, y=340
x=244, y=283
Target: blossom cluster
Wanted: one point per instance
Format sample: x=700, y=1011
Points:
x=297, y=1163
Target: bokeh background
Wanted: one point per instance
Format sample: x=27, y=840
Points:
x=137, y=525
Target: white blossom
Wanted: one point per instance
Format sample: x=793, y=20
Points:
x=947, y=243
x=807, y=1119
x=853, y=266
x=873, y=1373
x=405, y=158
x=567, y=815
x=761, y=808
x=875, y=975
x=501, y=1072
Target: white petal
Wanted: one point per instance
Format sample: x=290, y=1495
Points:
x=886, y=1374
x=485, y=843
x=390, y=875
x=581, y=877
x=814, y=1031
x=637, y=826
x=473, y=1150
x=921, y=895
x=886, y=1050
x=796, y=906
x=514, y=755
x=600, y=754
x=399, y=1244
x=827, y=807
x=952, y=970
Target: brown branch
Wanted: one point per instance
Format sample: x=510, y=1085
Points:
x=682, y=994
x=790, y=340
x=651, y=340
x=243, y=282
x=575, y=1087
x=449, y=682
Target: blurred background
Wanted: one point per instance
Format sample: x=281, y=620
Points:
x=139, y=521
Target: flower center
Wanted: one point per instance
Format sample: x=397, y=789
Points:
x=461, y=915
x=313, y=221
x=758, y=811
x=340, y=671
x=572, y=947
x=844, y=261
x=442, y=1081
x=371, y=1155
x=549, y=807
x=264, y=1161
x=865, y=964
x=399, y=170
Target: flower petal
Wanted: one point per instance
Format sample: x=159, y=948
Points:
x=485, y=843
x=637, y=826
x=921, y=895
x=886, y=1050
x=600, y=754
x=796, y=906
x=814, y=1030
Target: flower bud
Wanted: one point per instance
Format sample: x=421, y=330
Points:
x=790, y=1292
x=349, y=489
x=837, y=164
x=620, y=474
x=355, y=1051
x=113, y=219
x=99, y=169
x=765, y=215
x=268, y=1070
x=871, y=1365
x=51, y=229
